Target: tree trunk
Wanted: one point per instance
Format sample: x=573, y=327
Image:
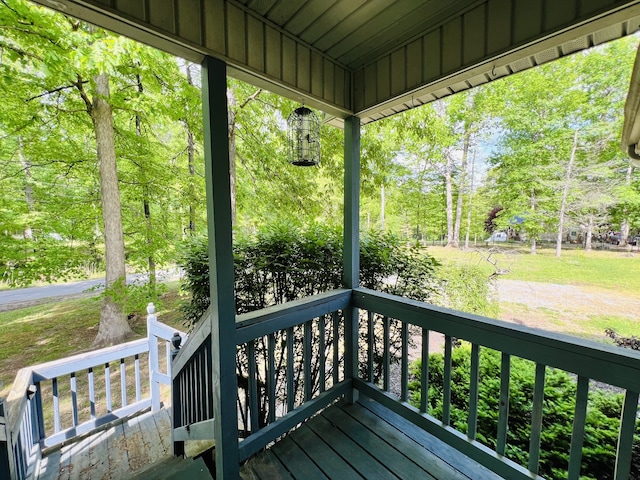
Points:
x=149, y=228
x=565, y=193
x=625, y=226
x=191, y=150
x=448, y=172
x=473, y=168
x=462, y=187
x=146, y=207
x=589, y=236
x=113, y=326
x=232, y=151
x=28, y=187
x=533, y=208
x=192, y=173
x=232, y=174
x=383, y=205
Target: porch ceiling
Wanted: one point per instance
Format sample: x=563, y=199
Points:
x=372, y=58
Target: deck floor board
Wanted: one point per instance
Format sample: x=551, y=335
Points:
x=364, y=440
x=333, y=464
x=296, y=460
x=447, y=453
x=362, y=461
x=387, y=454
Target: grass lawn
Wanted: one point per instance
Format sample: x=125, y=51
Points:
x=56, y=330
x=608, y=283
x=615, y=270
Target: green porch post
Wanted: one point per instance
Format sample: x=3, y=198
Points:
x=351, y=241
x=216, y=151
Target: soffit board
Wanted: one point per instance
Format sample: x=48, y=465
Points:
x=369, y=57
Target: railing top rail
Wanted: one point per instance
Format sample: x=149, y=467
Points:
x=82, y=361
x=278, y=317
x=606, y=363
x=196, y=338
x=16, y=401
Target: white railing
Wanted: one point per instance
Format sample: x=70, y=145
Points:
x=52, y=403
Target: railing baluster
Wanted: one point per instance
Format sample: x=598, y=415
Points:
x=536, y=419
x=386, y=357
x=123, y=382
x=187, y=397
x=290, y=393
x=56, y=405
x=336, y=353
x=177, y=418
x=107, y=387
x=271, y=382
x=404, y=381
x=138, y=384
x=183, y=397
x=424, y=372
x=625, y=437
x=253, y=387
x=191, y=389
x=577, y=435
x=322, y=345
x=306, y=349
x=154, y=366
x=503, y=407
x=209, y=381
x=474, y=380
x=92, y=392
x=196, y=386
x=370, y=341
x=39, y=412
x=446, y=387
x=203, y=383
x=29, y=424
x=167, y=350
x=74, y=399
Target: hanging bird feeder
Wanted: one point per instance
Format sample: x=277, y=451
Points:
x=303, y=137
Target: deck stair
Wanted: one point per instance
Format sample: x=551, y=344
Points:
x=175, y=468
x=121, y=450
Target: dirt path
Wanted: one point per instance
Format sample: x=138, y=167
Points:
x=555, y=307
x=568, y=298
x=558, y=307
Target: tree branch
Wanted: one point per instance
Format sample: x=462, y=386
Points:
x=79, y=85
x=56, y=90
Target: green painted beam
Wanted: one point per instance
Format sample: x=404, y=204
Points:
x=223, y=326
x=351, y=202
x=351, y=241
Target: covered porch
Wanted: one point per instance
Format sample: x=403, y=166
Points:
x=357, y=62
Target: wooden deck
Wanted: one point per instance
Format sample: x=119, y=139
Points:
x=365, y=440
x=118, y=452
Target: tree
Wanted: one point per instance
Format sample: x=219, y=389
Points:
x=113, y=326
x=541, y=172
x=75, y=65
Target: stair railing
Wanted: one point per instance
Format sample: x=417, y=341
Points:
x=53, y=403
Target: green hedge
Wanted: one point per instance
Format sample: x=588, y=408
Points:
x=601, y=429
x=283, y=262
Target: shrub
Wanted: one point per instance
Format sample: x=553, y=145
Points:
x=601, y=428
x=283, y=262
x=466, y=288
